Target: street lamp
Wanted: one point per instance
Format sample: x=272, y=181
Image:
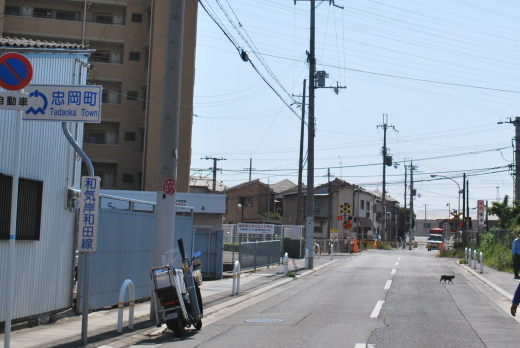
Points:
x=447, y=177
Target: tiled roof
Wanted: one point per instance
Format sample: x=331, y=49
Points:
x=7, y=41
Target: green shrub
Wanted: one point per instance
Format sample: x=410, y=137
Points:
x=497, y=251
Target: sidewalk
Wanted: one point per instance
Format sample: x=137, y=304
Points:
x=102, y=325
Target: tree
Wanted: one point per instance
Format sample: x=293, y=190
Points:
x=508, y=214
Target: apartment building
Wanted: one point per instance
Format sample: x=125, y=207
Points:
x=129, y=38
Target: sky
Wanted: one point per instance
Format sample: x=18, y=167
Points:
x=441, y=75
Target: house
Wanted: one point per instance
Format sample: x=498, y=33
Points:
x=392, y=214
x=338, y=206
x=203, y=184
x=249, y=202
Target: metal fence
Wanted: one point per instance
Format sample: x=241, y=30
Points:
x=259, y=254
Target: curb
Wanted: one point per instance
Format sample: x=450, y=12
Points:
x=488, y=282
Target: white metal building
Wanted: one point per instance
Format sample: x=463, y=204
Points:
x=45, y=243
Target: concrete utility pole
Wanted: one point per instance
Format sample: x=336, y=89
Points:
x=309, y=206
x=516, y=123
x=250, y=168
x=387, y=161
x=164, y=238
x=214, y=169
x=300, y=162
x=405, y=197
x=412, y=193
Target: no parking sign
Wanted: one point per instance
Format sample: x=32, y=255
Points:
x=15, y=71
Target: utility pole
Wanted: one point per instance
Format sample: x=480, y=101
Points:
x=164, y=234
x=412, y=193
x=405, y=197
x=387, y=161
x=250, y=168
x=300, y=162
x=309, y=204
x=425, y=219
x=214, y=169
x=516, y=123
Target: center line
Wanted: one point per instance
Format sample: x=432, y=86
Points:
x=393, y=270
x=377, y=309
x=388, y=284
x=397, y=263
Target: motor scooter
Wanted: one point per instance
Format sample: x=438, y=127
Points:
x=177, y=298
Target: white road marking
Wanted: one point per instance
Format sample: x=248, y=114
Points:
x=388, y=284
x=377, y=309
x=364, y=345
x=393, y=270
x=397, y=263
x=398, y=258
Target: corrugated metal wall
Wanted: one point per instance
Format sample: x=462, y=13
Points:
x=125, y=251
x=44, y=267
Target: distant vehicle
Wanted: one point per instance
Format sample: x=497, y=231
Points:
x=435, y=239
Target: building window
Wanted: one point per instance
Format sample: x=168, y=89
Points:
x=95, y=137
x=362, y=204
x=100, y=56
x=131, y=95
x=246, y=201
x=146, y=59
x=144, y=90
x=127, y=179
x=103, y=18
x=12, y=10
x=30, y=196
x=137, y=17
x=130, y=136
x=368, y=206
x=134, y=56
x=66, y=15
x=42, y=13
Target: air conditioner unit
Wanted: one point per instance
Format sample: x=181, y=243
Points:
x=119, y=20
x=28, y=11
x=112, y=138
x=113, y=97
x=116, y=58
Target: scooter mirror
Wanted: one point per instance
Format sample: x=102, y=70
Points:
x=197, y=253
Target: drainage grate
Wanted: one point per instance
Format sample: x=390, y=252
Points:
x=264, y=320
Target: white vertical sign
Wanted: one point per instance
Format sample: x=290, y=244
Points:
x=481, y=214
x=88, y=217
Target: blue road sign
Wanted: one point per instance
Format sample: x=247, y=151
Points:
x=64, y=103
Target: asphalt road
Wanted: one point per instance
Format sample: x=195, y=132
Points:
x=376, y=299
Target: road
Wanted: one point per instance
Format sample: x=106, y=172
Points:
x=376, y=299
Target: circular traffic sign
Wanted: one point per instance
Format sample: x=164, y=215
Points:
x=169, y=186
x=15, y=71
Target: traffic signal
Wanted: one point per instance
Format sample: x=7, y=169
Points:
x=340, y=217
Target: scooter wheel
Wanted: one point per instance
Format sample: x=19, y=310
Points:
x=176, y=326
x=198, y=325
